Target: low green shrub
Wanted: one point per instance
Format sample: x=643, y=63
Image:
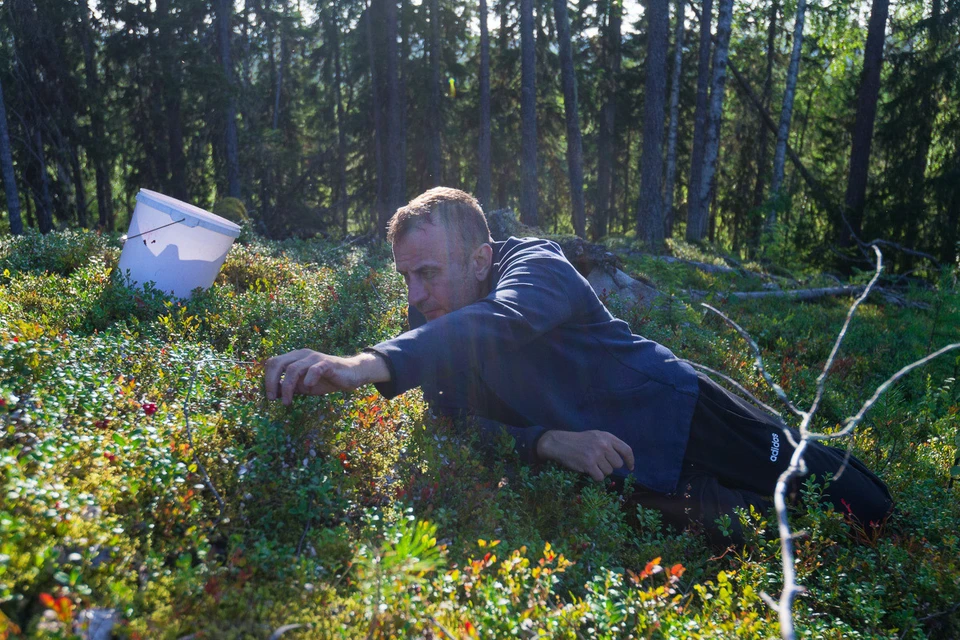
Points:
x=359, y=517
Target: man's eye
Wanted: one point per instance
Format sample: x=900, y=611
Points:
x=429, y=274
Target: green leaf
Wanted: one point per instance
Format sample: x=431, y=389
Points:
x=119, y=439
x=955, y=471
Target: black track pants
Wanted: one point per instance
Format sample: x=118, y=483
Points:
x=734, y=458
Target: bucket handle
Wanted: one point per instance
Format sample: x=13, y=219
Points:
x=169, y=224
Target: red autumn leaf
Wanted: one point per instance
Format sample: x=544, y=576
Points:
x=677, y=570
x=149, y=408
x=47, y=600
x=64, y=608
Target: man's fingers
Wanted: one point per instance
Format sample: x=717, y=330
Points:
x=605, y=467
x=613, y=458
x=273, y=371
x=291, y=378
x=597, y=474
x=624, y=450
x=315, y=374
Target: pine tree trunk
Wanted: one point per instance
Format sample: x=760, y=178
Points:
x=379, y=121
x=169, y=53
x=574, y=144
x=392, y=160
x=695, y=209
x=786, y=112
x=96, y=150
x=650, y=228
x=42, y=198
x=863, y=124
x=669, y=186
x=341, y=127
x=484, y=171
x=951, y=234
x=435, y=162
x=528, y=117
x=402, y=91
x=279, y=69
x=231, y=144
x=79, y=190
x=606, y=136
x=759, y=186
x=6, y=166
x=698, y=219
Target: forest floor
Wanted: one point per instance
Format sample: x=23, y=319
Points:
x=356, y=517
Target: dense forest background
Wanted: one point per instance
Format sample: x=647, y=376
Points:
x=769, y=123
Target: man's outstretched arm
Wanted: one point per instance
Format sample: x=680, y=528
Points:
x=307, y=372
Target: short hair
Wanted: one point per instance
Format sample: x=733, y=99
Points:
x=453, y=209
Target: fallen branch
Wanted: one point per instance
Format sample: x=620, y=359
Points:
x=282, y=630
x=811, y=294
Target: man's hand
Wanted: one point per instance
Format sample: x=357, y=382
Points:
x=596, y=453
x=313, y=373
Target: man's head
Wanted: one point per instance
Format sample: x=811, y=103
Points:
x=441, y=246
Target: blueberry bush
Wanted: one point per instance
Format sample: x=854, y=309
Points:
x=144, y=478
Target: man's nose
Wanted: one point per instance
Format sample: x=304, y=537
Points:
x=416, y=293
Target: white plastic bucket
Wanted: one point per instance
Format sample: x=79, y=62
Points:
x=176, y=246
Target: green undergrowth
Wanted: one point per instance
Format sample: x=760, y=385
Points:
x=359, y=517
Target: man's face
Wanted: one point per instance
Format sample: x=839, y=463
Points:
x=439, y=276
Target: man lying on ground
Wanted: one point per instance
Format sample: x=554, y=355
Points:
x=512, y=335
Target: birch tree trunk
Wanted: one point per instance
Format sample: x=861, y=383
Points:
x=786, y=112
x=435, y=167
x=231, y=144
x=483, y=154
x=650, y=228
x=671, y=173
x=863, y=124
x=528, y=117
x=9, y=179
x=698, y=219
x=574, y=144
x=694, y=206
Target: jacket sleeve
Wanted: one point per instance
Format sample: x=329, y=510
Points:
x=535, y=290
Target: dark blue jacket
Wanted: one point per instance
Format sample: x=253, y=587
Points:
x=541, y=352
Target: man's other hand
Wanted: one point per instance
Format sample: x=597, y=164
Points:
x=596, y=453
x=307, y=372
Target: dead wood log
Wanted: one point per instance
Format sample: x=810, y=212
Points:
x=583, y=255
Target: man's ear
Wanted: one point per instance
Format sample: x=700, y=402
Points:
x=482, y=261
